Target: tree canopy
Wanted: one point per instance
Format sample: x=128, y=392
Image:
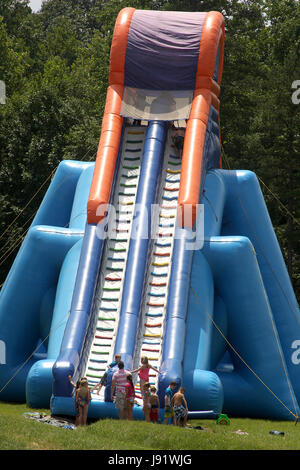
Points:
x=55, y=67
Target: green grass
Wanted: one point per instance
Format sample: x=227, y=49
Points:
x=20, y=433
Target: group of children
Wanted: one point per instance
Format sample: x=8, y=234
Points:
x=175, y=403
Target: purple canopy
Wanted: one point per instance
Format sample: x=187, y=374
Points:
x=162, y=50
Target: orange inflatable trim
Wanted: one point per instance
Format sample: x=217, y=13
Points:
x=112, y=123
x=206, y=94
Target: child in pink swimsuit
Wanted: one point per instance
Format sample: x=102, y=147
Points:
x=129, y=397
x=143, y=371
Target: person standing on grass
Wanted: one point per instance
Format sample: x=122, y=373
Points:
x=169, y=413
x=154, y=402
x=76, y=386
x=83, y=396
x=119, y=381
x=146, y=401
x=129, y=397
x=180, y=407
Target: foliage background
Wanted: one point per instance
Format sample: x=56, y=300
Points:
x=55, y=67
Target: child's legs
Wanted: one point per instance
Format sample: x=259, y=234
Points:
x=76, y=414
x=154, y=416
x=127, y=409
x=80, y=419
x=130, y=415
x=142, y=382
x=85, y=414
x=146, y=410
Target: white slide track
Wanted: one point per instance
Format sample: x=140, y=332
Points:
x=152, y=318
x=111, y=279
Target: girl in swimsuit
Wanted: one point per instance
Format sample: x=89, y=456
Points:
x=129, y=397
x=143, y=371
x=76, y=386
x=83, y=398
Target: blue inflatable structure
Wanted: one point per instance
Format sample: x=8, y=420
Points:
x=211, y=305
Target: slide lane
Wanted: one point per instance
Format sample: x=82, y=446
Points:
x=109, y=290
x=153, y=312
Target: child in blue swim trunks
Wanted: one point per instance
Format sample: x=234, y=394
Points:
x=170, y=390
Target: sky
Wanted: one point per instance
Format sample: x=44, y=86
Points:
x=35, y=5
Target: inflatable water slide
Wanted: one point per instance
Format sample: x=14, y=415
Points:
x=153, y=251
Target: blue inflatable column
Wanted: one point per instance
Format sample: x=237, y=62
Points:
x=69, y=358
x=140, y=240
x=188, y=331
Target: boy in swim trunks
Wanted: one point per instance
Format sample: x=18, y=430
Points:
x=170, y=390
x=154, y=402
x=180, y=407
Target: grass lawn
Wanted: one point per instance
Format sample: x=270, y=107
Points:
x=20, y=433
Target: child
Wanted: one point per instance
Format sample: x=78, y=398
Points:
x=143, y=371
x=103, y=381
x=83, y=396
x=178, y=140
x=116, y=361
x=146, y=401
x=129, y=397
x=154, y=402
x=168, y=398
x=76, y=386
x=180, y=407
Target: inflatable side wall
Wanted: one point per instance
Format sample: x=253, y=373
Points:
x=35, y=299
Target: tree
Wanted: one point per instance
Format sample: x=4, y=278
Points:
x=55, y=65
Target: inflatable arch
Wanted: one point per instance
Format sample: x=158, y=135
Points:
x=153, y=251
